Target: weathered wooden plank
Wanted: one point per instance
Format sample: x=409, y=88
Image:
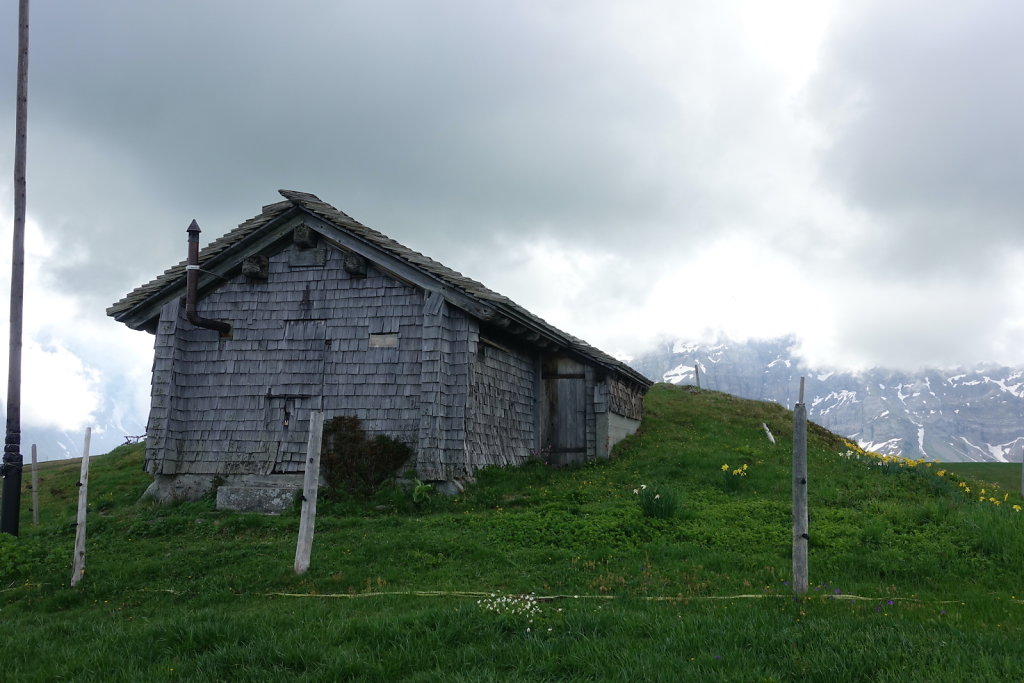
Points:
x=35, y=488
x=78, y=563
x=800, y=516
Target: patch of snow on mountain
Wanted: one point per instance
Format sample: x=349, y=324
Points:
x=981, y=451
x=839, y=398
x=890, y=447
x=788, y=363
x=1014, y=389
x=998, y=452
x=679, y=373
x=680, y=347
x=954, y=378
x=715, y=353
x=822, y=378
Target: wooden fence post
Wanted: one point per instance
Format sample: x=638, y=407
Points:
x=35, y=489
x=310, y=487
x=696, y=374
x=78, y=568
x=800, y=537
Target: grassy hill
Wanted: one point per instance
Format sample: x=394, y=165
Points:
x=540, y=574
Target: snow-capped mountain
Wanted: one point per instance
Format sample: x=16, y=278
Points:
x=967, y=414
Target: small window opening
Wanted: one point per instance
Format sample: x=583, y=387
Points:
x=386, y=340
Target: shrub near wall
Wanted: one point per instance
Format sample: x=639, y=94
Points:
x=354, y=464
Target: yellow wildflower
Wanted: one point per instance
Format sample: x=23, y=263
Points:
x=725, y=468
x=1016, y=508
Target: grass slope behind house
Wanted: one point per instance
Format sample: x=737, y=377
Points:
x=913, y=577
x=1006, y=475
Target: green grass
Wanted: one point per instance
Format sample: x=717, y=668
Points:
x=1006, y=475
x=912, y=578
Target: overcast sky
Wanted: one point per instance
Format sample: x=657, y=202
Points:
x=847, y=172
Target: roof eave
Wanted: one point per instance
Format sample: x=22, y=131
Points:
x=142, y=315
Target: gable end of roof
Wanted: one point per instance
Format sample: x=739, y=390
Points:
x=508, y=313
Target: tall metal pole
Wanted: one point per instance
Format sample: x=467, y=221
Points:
x=10, y=509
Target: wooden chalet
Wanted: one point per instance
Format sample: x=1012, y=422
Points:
x=303, y=308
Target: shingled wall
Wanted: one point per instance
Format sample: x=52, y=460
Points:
x=500, y=424
x=445, y=360
x=300, y=341
x=626, y=398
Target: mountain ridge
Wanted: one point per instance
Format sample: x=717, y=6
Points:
x=956, y=415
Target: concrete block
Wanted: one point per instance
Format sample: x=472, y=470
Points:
x=265, y=499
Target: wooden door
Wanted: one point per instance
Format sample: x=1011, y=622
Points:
x=564, y=410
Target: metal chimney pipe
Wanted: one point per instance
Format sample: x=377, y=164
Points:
x=192, y=286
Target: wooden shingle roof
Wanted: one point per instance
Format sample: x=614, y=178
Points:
x=508, y=313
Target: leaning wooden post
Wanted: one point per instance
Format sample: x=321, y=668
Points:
x=1022, y=469
x=696, y=374
x=800, y=495
x=35, y=489
x=310, y=486
x=83, y=494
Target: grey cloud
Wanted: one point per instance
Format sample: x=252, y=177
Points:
x=922, y=101
x=942, y=327
x=439, y=123
x=458, y=127
x=408, y=111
